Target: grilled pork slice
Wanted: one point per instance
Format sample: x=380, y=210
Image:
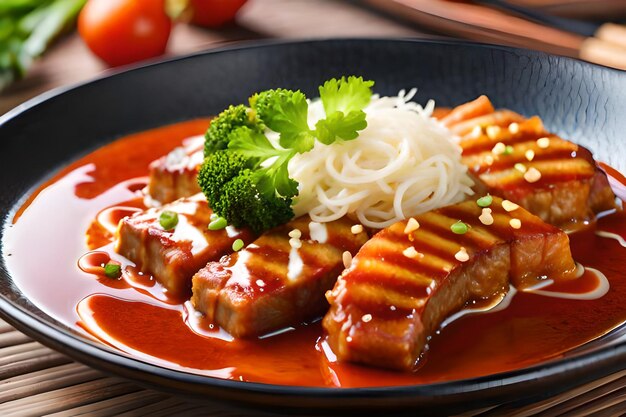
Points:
x=174, y=175
x=173, y=256
x=406, y=280
x=518, y=159
x=278, y=280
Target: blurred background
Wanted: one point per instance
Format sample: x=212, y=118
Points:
x=50, y=43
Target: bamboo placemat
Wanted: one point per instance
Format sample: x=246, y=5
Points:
x=37, y=381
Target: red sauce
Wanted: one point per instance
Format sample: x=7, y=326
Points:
x=133, y=315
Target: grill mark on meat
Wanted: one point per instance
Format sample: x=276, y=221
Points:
x=380, y=312
x=442, y=221
x=439, y=259
x=552, y=171
x=569, y=189
x=376, y=299
x=173, y=256
x=250, y=293
x=529, y=129
x=501, y=118
x=403, y=278
x=559, y=150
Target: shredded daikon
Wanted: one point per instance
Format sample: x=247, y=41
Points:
x=403, y=164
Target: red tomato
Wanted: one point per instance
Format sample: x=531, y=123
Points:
x=214, y=13
x=125, y=31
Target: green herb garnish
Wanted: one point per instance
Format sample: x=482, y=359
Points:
x=218, y=223
x=237, y=245
x=245, y=175
x=168, y=219
x=112, y=270
x=459, y=228
x=484, y=201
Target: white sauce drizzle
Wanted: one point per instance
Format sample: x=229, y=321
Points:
x=610, y=235
x=193, y=318
x=148, y=201
x=240, y=274
x=104, y=218
x=176, y=159
x=277, y=332
x=231, y=231
x=318, y=232
x=195, y=159
x=502, y=302
x=184, y=232
x=601, y=289
x=185, y=157
x=188, y=207
x=497, y=304
x=295, y=264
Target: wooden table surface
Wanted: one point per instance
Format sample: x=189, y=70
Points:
x=35, y=380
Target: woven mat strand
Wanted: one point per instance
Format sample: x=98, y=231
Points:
x=37, y=381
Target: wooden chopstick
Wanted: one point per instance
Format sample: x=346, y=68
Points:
x=604, y=43
x=610, y=32
x=489, y=25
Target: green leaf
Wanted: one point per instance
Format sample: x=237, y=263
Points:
x=27, y=28
x=346, y=94
x=7, y=28
x=284, y=185
x=338, y=125
x=275, y=178
x=251, y=144
x=17, y=7
x=58, y=17
x=264, y=184
x=301, y=142
x=288, y=114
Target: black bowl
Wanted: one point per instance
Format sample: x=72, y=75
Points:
x=577, y=100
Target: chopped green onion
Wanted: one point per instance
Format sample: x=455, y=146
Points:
x=168, y=219
x=484, y=201
x=112, y=270
x=459, y=228
x=218, y=223
x=237, y=245
x=508, y=150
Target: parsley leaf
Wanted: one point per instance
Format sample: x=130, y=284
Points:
x=339, y=125
x=275, y=178
x=251, y=144
x=287, y=113
x=270, y=179
x=245, y=175
x=346, y=94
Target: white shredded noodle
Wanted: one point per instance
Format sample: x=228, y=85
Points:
x=403, y=164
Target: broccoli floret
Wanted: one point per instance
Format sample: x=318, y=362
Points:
x=263, y=101
x=226, y=178
x=242, y=205
x=216, y=137
x=219, y=168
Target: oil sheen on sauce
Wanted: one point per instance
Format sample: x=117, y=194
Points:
x=134, y=314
